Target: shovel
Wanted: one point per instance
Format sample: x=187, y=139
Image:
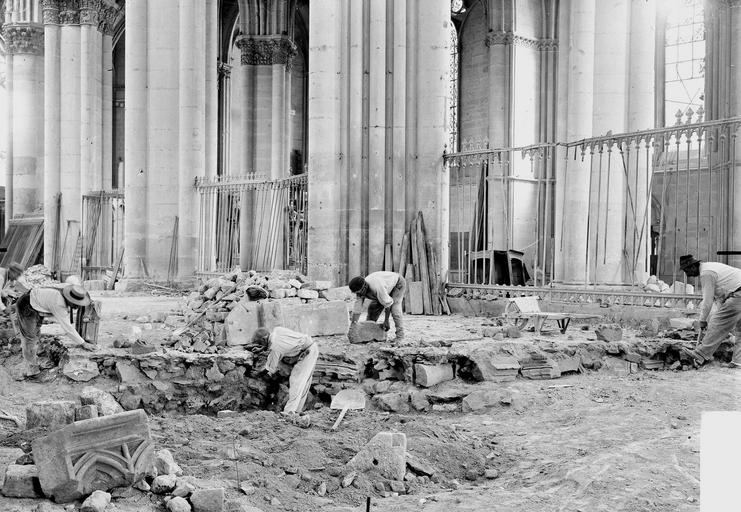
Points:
x=347, y=399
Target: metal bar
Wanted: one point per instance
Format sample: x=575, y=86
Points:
x=676, y=212
x=607, y=207
x=699, y=174
x=538, y=225
x=710, y=145
x=599, y=203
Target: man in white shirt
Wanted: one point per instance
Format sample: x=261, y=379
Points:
x=287, y=344
x=721, y=283
x=385, y=290
x=31, y=309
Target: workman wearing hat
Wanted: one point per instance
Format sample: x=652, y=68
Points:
x=293, y=348
x=8, y=278
x=53, y=301
x=385, y=290
x=722, y=283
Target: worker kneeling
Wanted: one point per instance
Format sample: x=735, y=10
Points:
x=284, y=343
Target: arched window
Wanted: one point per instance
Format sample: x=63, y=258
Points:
x=684, y=59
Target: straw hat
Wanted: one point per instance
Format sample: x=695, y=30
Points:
x=75, y=294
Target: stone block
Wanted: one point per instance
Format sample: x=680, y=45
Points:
x=52, y=415
x=178, y=504
x=385, y=453
x=307, y=294
x=165, y=463
x=164, y=484
x=419, y=401
x=491, y=367
x=96, y=502
x=22, y=482
x=129, y=374
x=95, y=454
x=428, y=375
x=367, y=332
x=295, y=283
x=480, y=399
x=278, y=294
x=681, y=323
x=609, y=332
x=242, y=322
x=394, y=402
x=340, y=293
x=86, y=412
x=80, y=369
x=317, y=319
x=569, y=364
x=208, y=500
x=104, y=401
x=320, y=286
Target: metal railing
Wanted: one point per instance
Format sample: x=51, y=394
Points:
x=651, y=196
x=252, y=222
x=103, y=216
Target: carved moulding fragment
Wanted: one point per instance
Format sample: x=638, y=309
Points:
x=95, y=454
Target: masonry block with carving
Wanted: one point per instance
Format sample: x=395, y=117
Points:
x=95, y=454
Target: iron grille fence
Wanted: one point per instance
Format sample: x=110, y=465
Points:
x=102, y=233
x=252, y=222
x=652, y=196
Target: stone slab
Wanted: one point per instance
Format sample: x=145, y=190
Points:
x=339, y=293
x=208, y=500
x=317, y=319
x=95, y=454
x=428, y=375
x=80, y=369
x=494, y=368
x=22, y=482
x=367, y=332
x=385, y=453
x=103, y=400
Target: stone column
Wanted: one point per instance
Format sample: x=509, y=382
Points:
x=433, y=68
x=135, y=159
x=25, y=47
x=572, y=189
x=212, y=92
x=734, y=242
x=192, y=134
x=324, y=141
x=70, y=124
x=52, y=136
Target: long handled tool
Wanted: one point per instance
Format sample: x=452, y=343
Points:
x=179, y=331
x=347, y=399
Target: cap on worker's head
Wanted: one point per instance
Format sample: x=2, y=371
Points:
x=356, y=284
x=261, y=335
x=76, y=294
x=687, y=261
x=16, y=267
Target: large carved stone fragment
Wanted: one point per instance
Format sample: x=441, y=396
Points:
x=95, y=454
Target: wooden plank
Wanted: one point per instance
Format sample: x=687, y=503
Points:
x=434, y=280
x=414, y=248
x=423, y=269
x=416, y=299
x=388, y=259
x=409, y=277
x=404, y=256
x=116, y=269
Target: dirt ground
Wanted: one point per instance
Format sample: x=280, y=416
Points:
x=585, y=442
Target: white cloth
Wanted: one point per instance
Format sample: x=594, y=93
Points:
x=50, y=302
x=287, y=343
x=718, y=282
x=380, y=285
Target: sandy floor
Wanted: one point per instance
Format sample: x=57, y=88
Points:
x=587, y=442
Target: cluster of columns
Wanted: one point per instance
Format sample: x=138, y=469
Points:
x=24, y=39
x=77, y=105
x=170, y=129
x=378, y=102
x=606, y=72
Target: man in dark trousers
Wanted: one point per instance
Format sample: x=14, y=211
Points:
x=385, y=290
x=721, y=283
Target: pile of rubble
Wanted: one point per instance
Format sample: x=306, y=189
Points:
x=655, y=285
x=93, y=451
x=38, y=275
x=265, y=298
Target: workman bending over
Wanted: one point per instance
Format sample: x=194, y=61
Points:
x=289, y=346
x=53, y=301
x=721, y=283
x=385, y=290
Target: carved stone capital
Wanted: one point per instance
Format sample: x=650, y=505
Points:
x=24, y=39
x=107, y=19
x=69, y=12
x=266, y=50
x=50, y=12
x=90, y=12
x=510, y=38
